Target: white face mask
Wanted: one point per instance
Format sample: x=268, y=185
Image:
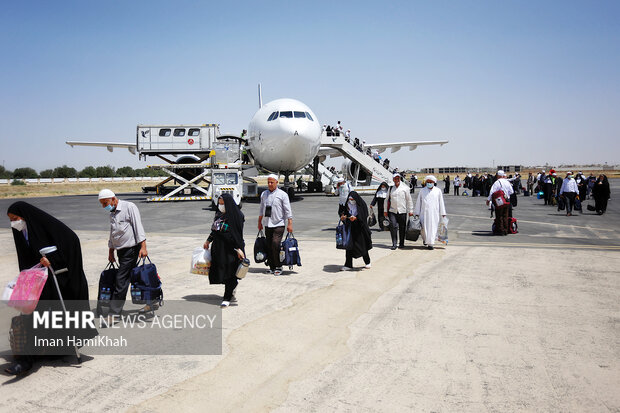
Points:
x=352, y=201
x=19, y=225
x=222, y=208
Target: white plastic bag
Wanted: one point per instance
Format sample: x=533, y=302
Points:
x=201, y=261
x=442, y=233
x=8, y=290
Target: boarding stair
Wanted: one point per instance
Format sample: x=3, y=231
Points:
x=346, y=149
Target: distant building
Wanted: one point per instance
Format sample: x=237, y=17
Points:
x=464, y=169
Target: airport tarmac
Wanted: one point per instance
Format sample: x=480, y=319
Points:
x=526, y=322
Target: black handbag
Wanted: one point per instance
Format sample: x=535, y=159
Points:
x=106, y=284
x=260, y=248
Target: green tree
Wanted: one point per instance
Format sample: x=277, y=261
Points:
x=105, y=171
x=125, y=171
x=47, y=173
x=4, y=174
x=88, y=172
x=65, y=172
x=25, y=173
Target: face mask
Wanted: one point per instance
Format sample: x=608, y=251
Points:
x=569, y=176
x=430, y=185
x=19, y=225
x=352, y=201
x=222, y=208
x=109, y=208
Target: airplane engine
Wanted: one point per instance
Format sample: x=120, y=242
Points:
x=188, y=173
x=351, y=170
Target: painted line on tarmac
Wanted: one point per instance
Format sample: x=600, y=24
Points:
x=538, y=222
x=535, y=245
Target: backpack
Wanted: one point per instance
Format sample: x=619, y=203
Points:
x=499, y=199
x=260, y=248
x=289, y=252
x=513, y=228
x=146, y=284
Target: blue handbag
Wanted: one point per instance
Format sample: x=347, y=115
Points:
x=146, y=284
x=343, y=235
x=290, y=249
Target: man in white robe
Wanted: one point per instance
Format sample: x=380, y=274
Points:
x=430, y=208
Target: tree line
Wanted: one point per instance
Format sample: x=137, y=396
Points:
x=69, y=172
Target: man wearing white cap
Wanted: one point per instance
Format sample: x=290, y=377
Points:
x=399, y=204
x=274, y=211
x=501, y=214
x=569, y=191
x=430, y=208
x=127, y=237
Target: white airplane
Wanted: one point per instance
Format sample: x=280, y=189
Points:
x=284, y=136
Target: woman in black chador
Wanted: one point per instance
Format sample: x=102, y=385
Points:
x=228, y=247
x=601, y=193
x=356, y=219
x=34, y=229
x=379, y=200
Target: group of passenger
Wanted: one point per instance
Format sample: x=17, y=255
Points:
x=571, y=188
x=34, y=229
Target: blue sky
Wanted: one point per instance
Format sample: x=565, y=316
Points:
x=510, y=82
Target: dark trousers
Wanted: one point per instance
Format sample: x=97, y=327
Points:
x=348, y=262
x=229, y=288
x=548, y=190
x=274, y=239
x=127, y=260
x=398, y=223
x=380, y=210
x=501, y=220
x=457, y=190
x=569, y=197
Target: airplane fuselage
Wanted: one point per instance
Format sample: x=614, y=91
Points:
x=284, y=135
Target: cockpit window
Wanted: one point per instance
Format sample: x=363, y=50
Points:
x=287, y=114
x=273, y=116
x=299, y=114
x=309, y=117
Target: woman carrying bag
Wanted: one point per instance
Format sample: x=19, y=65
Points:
x=360, y=243
x=34, y=229
x=228, y=247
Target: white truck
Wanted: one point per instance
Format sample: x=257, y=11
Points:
x=201, y=155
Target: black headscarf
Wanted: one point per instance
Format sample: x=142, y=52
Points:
x=387, y=187
x=44, y=231
x=234, y=219
x=362, y=208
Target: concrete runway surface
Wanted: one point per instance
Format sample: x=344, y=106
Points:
x=527, y=322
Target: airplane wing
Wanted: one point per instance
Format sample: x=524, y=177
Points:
x=395, y=147
x=380, y=147
x=109, y=145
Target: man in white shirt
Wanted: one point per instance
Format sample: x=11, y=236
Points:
x=274, y=211
x=399, y=204
x=501, y=212
x=457, y=186
x=128, y=239
x=569, y=192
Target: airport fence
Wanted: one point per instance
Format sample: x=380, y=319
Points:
x=36, y=181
